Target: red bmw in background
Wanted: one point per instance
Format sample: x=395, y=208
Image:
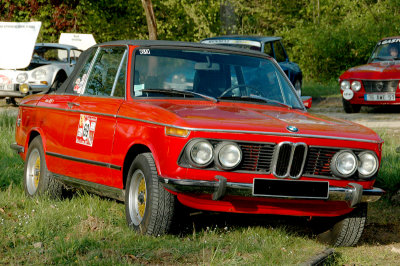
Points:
x=377, y=82
x=157, y=123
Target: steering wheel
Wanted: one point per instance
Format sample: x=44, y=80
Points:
x=241, y=86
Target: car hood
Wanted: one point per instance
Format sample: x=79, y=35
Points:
x=258, y=118
x=380, y=71
x=18, y=42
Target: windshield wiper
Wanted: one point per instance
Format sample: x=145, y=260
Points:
x=255, y=98
x=179, y=92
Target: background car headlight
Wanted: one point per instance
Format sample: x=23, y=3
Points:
x=345, y=85
x=22, y=77
x=228, y=155
x=39, y=74
x=200, y=153
x=368, y=164
x=356, y=85
x=344, y=163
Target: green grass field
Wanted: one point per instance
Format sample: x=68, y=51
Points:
x=318, y=90
x=86, y=229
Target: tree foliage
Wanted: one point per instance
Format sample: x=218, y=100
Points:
x=324, y=37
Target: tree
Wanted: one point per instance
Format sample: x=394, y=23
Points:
x=150, y=18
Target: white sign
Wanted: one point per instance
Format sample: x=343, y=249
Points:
x=348, y=94
x=17, y=43
x=80, y=41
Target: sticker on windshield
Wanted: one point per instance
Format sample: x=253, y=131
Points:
x=86, y=130
x=144, y=51
x=138, y=89
x=80, y=84
x=389, y=41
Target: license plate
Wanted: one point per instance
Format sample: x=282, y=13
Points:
x=380, y=97
x=7, y=87
x=291, y=188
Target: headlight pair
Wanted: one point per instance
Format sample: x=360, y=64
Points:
x=201, y=153
x=345, y=163
x=355, y=85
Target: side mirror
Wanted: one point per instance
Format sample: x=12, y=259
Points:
x=307, y=101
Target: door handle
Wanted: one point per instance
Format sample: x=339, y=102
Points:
x=72, y=104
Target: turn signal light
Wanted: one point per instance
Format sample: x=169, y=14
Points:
x=177, y=132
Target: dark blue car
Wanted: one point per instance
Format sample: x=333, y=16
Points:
x=269, y=45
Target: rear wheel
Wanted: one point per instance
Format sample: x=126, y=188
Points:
x=149, y=208
x=350, y=108
x=37, y=178
x=346, y=230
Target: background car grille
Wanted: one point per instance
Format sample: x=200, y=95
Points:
x=380, y=86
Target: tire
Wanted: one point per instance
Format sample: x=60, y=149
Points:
x=37, y=178
x=149, y=208
x=297, y=86
x=350, y=108
x=347, y=230
x=11, y=101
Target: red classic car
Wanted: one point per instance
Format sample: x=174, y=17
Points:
x=377, y=82
x=157, y=123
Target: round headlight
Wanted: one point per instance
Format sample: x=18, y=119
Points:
x=200, y=153
x=345, y=85
x=344, y=163
x=22, y=77
x=356, y=85
x=228, y=155
x=368, y=164
x=39, y=74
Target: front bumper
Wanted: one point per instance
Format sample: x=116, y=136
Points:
x=353, y=194
x=17, y=94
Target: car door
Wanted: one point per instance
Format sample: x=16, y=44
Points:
x=283, y=60
x=89, y=129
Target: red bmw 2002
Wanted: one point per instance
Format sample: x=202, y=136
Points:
x=154, y=123
x=377, y=82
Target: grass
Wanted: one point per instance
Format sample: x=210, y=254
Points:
x=86, y=229
x=318, y=90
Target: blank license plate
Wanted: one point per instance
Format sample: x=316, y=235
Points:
x=7, y=87
x=380, y=97
x=291, y=188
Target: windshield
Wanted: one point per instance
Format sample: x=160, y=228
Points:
x=219, y=76
x=386, y=50
x=50, y=54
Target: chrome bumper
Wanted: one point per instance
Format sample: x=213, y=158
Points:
x=353, y=194
x=17, y=148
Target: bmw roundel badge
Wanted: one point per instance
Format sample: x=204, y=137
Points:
x=292, y=128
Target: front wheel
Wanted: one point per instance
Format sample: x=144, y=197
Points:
x=345, y=231
x=37, y=178
x=149, y=208
x=350, y=108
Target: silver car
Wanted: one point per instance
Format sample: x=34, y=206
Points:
x=50, y=66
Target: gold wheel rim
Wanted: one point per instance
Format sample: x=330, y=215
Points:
x=36, y=174
x=142, y=197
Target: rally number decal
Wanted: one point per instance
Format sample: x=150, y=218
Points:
x=86, y=130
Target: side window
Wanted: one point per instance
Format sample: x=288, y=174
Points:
x=268, y=49
x=280, y=55
x=119, y=89
x=104, y=71
x=80, y=79
x=75, y=55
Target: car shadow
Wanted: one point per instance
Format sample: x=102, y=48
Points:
x=198, y=221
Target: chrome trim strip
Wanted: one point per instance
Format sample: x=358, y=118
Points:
x=213, y=130
x=102, y=190
x=69, y=110
x=249, y=132
x=348, y=194
x=97, y=163
x=17, y=148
